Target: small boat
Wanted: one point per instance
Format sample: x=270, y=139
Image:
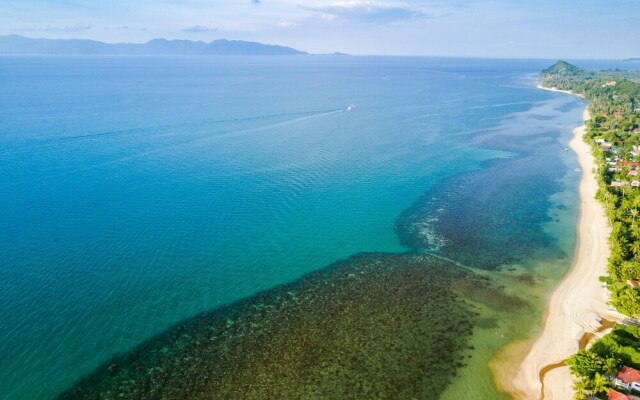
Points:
x=566, y=149
x=577, y=170
x=351, y=107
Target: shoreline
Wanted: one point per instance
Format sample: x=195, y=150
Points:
x=578, y=304
x=585, y=114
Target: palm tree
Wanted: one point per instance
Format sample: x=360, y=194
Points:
x=591, y=386
x=635, y=232
x=611, y=366
x=600, y=384
x=627, y=294
x=580, y=388
x=635, y=248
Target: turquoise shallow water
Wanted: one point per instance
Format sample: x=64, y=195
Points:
x=136, y=192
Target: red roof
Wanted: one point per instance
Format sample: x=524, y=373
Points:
x=628, y=375
x=613, y=395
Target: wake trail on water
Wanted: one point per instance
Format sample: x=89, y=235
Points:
x=159, y=129
x=200, y=139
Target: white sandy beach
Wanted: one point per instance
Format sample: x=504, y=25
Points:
x=578, y=304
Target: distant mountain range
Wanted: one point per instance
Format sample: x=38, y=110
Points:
x=15, y=44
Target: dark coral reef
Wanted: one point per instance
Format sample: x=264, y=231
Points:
x=374, y=326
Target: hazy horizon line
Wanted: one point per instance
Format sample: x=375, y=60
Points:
x=302, y=50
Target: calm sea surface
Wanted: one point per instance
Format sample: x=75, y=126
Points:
x=136, y=192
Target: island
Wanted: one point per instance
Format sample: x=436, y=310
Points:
x=16, y=44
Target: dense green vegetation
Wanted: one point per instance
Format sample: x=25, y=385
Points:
x=614, y=133
x=615, y=109
x=604, y=358
x=623, y=97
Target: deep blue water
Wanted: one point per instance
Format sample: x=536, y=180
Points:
x=138, y=191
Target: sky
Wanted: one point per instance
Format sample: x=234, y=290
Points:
x=462, y=28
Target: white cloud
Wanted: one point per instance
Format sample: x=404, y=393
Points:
x=198, y=29
x=54, y=28
x=287, y=24
x=372, y=11
x=69, y=28
x=328, y=17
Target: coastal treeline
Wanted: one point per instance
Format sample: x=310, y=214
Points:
x=613, y=131
x=604, y=359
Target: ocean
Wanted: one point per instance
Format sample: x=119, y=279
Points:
x=225, y=224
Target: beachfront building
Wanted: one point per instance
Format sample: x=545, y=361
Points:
x=628, y=378
x=617, y=184
x=605, y=146
x=613, y=395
